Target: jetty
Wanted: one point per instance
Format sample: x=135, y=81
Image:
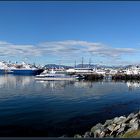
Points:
x=118, y=127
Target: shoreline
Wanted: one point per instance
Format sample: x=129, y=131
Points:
x=118, y=127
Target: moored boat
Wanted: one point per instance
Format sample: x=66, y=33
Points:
x=19, y=69
x=54, y=76
x=25, y=69
x=4, y=69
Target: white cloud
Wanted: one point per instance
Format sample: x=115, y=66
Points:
x=65, y=49
x=15, y=49
x=73, y=46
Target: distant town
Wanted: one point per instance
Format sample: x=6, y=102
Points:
x=10, y=67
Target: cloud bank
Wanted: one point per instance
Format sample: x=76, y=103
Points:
x=72, y=46
x=64, y=48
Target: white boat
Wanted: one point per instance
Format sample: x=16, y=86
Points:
x=80, y=70
x=54, y=76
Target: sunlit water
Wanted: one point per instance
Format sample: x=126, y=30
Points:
x=55, y=108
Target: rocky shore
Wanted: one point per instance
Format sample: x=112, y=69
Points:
x=116, y=127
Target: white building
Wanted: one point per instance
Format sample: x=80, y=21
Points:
x=133, y=70
x=112, y=72
x=100, y=71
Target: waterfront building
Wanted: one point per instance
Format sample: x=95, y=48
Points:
x=113, y=71
x=134, y=70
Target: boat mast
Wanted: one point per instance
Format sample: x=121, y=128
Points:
x=89, y=62
x=75, y=63
x=59, y=63
x=82, y=61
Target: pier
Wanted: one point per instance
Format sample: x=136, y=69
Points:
x=93, y=76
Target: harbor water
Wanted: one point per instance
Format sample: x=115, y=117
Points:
x=55, y=108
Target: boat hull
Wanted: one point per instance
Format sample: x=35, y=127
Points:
x=4, y=71
x=26, y=72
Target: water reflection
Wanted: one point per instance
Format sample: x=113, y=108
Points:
x=64, y=84
x=27, y=85
x=11, y=81
x=55, y=84
x=83, y=84
x=33, y=104
x=133, y=84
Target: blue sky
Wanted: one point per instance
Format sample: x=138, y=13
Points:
x=62, y=32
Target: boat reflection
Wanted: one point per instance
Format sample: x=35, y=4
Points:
x=10, y=81
x=133, y=84
x=22, y=82
x=83, y=84
x=64, y=84
x=55, y=84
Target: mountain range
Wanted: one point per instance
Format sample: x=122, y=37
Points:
x=84, y=66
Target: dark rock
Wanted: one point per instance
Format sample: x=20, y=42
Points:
x=107, y=132
x=136, y=115
x=130, y=116
x=111, y=127
x=107, y=135
x=77, y=136
x=117, y=127
x=114, y=128
x=63, y=136
x=116, y=119
x=121, y=129
x=96, y=127
x=113, y=133
x=91, y=134
x=102, y=134
x=119, y=120
x=87, y=135
x=123, y=125
x=97, y=133
x=108, y=122
x=133, y=120
x=133, y=126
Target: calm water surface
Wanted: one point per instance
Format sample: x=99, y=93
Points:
x=54, y=108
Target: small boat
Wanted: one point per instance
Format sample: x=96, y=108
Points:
x=54, y=76
x=80, y=77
